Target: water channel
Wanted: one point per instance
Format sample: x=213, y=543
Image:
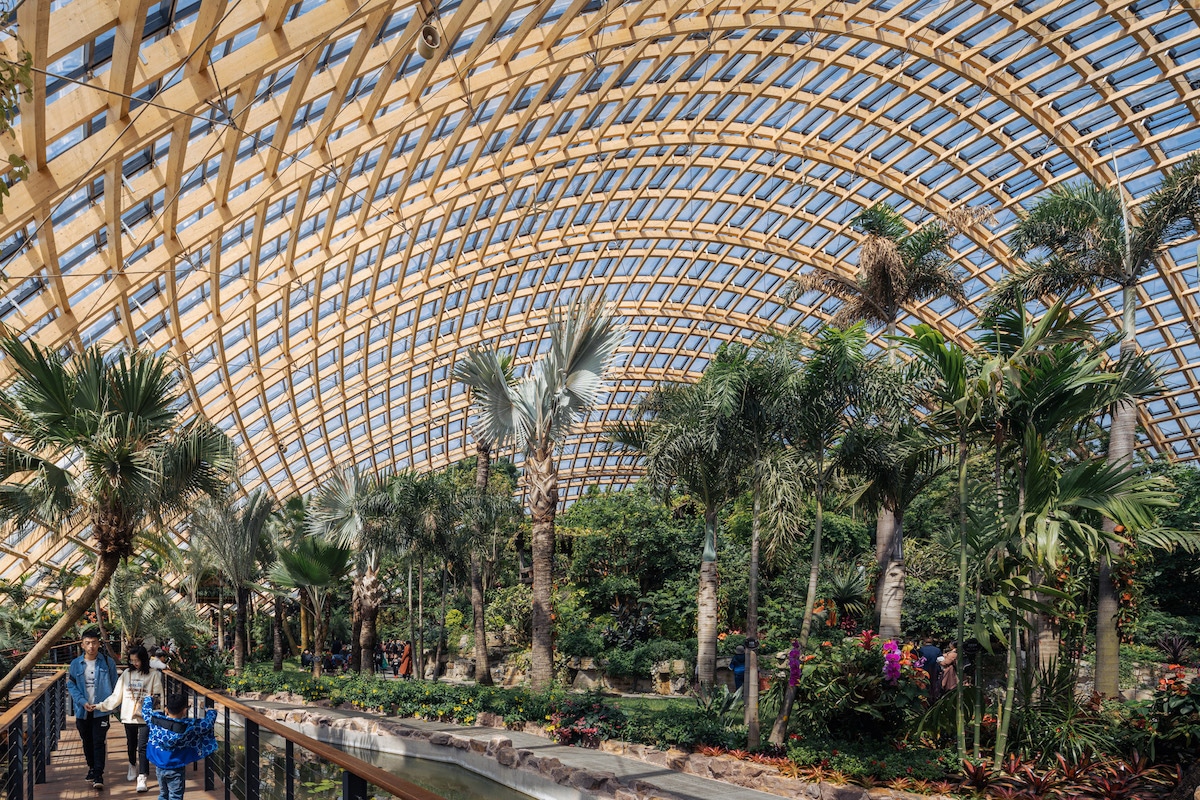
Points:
x=318, y=780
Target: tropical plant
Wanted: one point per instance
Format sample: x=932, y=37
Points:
x=314, y=565
x=99, y=440
x=483, y=515
x=146, y=609
x=538, y=412
x=232, y=535
x=688, y=440
x=352, y=510
x=1082, y=236
x=897, y=267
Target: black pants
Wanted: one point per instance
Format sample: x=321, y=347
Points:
x=93, y=732
x=135, y=745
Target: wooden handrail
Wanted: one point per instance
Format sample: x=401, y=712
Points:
x=369, y=772
x=25, y=701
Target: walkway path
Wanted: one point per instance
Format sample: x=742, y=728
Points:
x=67, y=767
x=677, y=783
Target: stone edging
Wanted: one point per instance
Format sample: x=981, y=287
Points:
x=748, y=774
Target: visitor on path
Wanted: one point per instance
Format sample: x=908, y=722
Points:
x=737, y=665
x=949, y=668
x=138, y=681
x=932, y=653
x=406, y=661
x=90, y=678
x=177, y=740
x=393, y=657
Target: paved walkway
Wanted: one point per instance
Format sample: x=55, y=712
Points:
x=692, y=786
x=67, y=767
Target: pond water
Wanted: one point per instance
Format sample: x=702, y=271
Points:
x=319, y=780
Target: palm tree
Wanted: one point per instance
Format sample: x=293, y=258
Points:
x=689, y=441
x=99, y=441
x=1086, y=236
x=347, y=510
x=538, y=412
x=483, y=468
x=146, y=608
x=899, y=459
x=834, y=379
x=286, y=525
x=315, y=566
x=897, y=267
x=232, y=535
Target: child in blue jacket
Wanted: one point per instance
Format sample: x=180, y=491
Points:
x=175, y=741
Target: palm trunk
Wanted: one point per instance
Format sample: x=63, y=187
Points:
x=814, y=570
x=220, y=619
x=483, y=666
x=779, y=730
x=706, y=604
x=420, y=659
x=356, y=624
x=106, y=565
x=239, y=629
x=277, y=636
x=1010, y=687
x=412, y=620
x=960, y=722
x=1120, y=451
x=305, y=629
x=437, y=653
x=543, y=503
x=369, y=599
x=890, y=592
x=753, y=735
x=320, y=629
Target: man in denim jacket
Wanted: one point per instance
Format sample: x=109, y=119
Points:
x=90, y=679
x=175, y=741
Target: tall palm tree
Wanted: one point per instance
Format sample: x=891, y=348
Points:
x=99, y=440
x=688, y=441
x=897, y=267
x=146, y=608
x=899, y=459
x=314, y=565
x=1083, y=236
x=286, y=525
x=347, y=510
x=483, y=469
x=538, y=412
x=232, y=535
x=835, y=378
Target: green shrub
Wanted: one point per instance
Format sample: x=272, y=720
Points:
x=867, y=760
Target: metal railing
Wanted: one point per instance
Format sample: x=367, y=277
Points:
x=357, y=775
x=29, y=733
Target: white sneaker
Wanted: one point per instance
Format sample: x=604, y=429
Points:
x=132, y=773
x=141, y=787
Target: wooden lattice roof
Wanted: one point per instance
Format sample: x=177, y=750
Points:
x=315, y=220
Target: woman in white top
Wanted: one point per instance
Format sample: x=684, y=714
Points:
x=135, y=683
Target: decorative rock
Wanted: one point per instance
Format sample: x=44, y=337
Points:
x=506, y=757
x=440, y=739
x=831, y=792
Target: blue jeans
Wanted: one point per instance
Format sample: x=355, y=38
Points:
x=170, y=784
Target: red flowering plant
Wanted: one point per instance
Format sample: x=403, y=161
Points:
x=585, y=720
x=1173, y=719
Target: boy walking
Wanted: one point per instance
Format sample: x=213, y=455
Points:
x=175, y=741
x=90, y=679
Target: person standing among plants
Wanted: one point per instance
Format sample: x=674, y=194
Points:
x=932, y=655
x=140, y=680
x=949, y=665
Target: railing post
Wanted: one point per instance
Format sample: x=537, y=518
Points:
x=30, y=752
x=353, y=787
x=41, y=744
x=250, y=771
x=228, y=765
x=209, y=771
x=16, y=762
x=289, y=765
